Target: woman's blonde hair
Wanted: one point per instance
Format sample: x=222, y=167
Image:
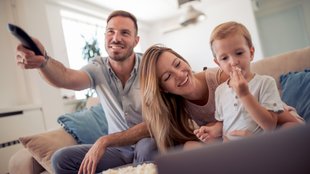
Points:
x=226, y=29
x=164, y=113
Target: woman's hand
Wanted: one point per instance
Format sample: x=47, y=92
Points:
x=209, y=132
x=92, y=157
x=189, y=145
x=237, y=133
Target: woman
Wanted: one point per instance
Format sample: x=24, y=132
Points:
x=172, y=95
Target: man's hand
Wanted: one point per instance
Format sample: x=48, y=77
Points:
x=124, y=138
x=92, y=157
x=27, y=59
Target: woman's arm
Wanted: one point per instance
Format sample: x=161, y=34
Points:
x=287, y=119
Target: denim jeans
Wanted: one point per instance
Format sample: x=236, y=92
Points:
x=68, y=159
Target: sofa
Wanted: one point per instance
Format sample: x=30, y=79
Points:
x=35, y=157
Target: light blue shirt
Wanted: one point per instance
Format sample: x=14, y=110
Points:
x=122, y=106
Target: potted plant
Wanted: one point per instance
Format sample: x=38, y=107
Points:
x=89, y=51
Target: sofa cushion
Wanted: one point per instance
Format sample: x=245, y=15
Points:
x=296, y=91
x=283, y=63
x=43, y=145
x=85, y=126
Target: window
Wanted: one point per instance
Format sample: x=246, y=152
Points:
x=77, y=30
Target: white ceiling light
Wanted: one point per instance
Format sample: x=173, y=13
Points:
x=191, y=16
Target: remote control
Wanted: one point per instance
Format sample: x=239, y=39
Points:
x=24, y=38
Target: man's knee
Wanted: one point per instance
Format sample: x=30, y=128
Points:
x=145, y=150
x=57, y=158
x=68, y=159
x=146, y=145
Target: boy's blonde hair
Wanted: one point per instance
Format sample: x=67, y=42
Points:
x=226, y=29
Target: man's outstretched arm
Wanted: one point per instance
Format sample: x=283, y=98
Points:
x=53, y=71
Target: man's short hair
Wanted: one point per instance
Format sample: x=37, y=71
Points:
x=124, y=14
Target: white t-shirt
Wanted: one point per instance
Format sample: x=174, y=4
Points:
x=233, y=114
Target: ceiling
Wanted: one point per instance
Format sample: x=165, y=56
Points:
x=146, y=10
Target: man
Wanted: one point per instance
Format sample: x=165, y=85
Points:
x=116, y=81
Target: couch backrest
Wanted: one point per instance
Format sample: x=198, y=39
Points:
x=275, y=66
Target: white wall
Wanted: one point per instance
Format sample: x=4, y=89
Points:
x=13, y=87
x=192, y=42
x=26, y=87
x=283, y=25
x=41, y=19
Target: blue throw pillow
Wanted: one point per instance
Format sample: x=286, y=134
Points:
x=85, y=126
x=296, y=91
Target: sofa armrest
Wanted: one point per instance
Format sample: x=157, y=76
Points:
x=41, y=147
x=23, y=162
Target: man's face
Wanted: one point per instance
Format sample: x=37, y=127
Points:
x=120, y=38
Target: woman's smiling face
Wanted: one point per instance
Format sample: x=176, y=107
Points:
x=174, y=74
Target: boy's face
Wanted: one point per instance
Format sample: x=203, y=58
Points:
x=233, y=52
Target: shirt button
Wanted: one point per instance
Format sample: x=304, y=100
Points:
x=236, y=97
x=235, y=104
x=274, y=104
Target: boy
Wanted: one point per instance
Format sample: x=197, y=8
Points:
x=246, y=101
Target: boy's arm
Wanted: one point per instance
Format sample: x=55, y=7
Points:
x=267, y=120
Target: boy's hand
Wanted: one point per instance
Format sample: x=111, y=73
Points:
x=238, y=83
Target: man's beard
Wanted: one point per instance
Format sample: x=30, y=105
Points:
x=119, y=57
